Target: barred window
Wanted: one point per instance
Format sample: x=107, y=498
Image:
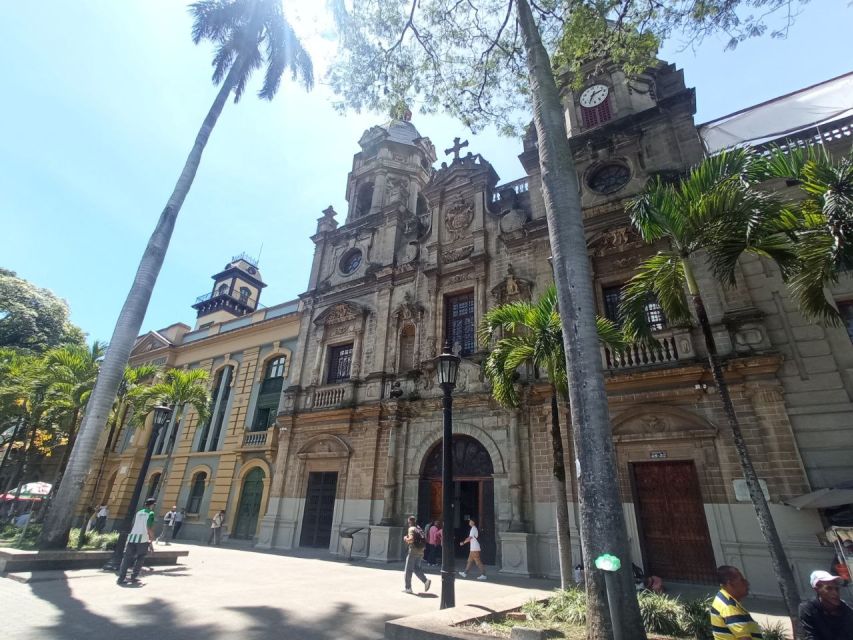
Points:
x=459, y=326
x=613, y=298
x=340, y=363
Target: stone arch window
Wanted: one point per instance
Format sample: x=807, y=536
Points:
x=364, y=199
x=199, y=484
x=407, y=348
x=222, y=290
x=245, y=293
x=153, y=485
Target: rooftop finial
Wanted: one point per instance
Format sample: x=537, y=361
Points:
x=455, y=149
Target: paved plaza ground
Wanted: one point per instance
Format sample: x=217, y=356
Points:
x=238, y=593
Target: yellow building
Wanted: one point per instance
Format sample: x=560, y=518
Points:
x=225, y=462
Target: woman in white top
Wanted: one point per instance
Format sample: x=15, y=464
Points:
x=473, y=551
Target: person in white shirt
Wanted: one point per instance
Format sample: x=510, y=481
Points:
x=102, y=515
x=138, y=544
x=168, y=523
x=473, y=552
x=216, y=525
x=179, y=522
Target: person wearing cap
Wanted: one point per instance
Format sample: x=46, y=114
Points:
x=729, y=619
x=826, y=616
x=138, y=543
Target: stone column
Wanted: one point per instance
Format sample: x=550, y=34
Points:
x=515, y=489
x=318, y=355
x=269, y=524
x=389, y=494
x=357, y=349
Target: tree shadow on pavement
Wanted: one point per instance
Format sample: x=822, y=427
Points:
x=270, y=622
x=155, y=618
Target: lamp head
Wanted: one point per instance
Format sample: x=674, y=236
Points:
x=448, y=366
x=162, y=415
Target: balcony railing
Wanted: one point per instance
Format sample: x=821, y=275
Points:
x=328, y=396
x=519, y=186
x=255, y=440
x=673, y=346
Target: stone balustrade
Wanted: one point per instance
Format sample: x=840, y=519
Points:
x=673, y=345
x=255, y=440
x=328, y=396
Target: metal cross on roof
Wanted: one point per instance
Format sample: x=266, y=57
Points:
x=457, y=146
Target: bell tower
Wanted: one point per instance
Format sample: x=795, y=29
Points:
x=236, y=292
x=390, y=171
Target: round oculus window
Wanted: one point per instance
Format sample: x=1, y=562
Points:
x=609, y=178
x=351, y=261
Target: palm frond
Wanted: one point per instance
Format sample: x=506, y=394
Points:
x=659, y=277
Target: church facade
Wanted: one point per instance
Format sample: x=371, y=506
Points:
x=417, y=259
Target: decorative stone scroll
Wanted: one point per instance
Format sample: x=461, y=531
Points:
x=457, y=254
x=512, y=288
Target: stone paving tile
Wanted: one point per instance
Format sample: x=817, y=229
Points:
x=230, y=593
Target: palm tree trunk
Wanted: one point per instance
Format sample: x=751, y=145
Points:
x=58, y=523
x=120, y=419
x=778, y=558
x=8, y=450
x=564, y=540
x=602, y=521
x=63, y=464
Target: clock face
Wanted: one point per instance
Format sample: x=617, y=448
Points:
x=594, y=95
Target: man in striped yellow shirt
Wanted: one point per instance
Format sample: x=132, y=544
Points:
x=729, y=620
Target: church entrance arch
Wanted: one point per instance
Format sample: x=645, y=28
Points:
x=249, y=507
x=473, y=492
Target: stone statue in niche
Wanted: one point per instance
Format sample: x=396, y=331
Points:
x=513, y=288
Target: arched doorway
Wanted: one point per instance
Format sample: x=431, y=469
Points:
x=249, y=507
x=473, y=492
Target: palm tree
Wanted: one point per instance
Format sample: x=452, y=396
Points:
x=716, y=209
x=821, y=222
x=73, y=371
x=247, y=35
x=532, y=337
x=132, y=377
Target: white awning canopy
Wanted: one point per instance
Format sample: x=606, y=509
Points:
x=822, y=499
x=810, y=107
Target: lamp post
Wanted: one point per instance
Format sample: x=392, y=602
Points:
x=161, y=418
x=448, y=367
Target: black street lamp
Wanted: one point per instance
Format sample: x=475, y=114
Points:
x=162, y=415
x=448, y=367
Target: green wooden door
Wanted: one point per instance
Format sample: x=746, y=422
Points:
x=250, y=505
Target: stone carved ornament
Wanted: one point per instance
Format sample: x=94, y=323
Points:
x=409, y=311
x=459, y=216
x=457, y=254
x=396, y=190
x=615, y=240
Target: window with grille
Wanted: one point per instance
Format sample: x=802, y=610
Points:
x=613, y=298
x=245, y=292
x=340, y=363
x=153, y=485
x=459, y=323
x=599, y=114
x=209, y=438
x=846, y=311
x=407, y=348
x=197, y=492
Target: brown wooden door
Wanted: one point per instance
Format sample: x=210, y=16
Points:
x=673, y=530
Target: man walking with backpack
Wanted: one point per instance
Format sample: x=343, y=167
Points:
x=417, y=543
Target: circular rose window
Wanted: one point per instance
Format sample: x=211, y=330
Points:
x=609, y=178
x=351, y=261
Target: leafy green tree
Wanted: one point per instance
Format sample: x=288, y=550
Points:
x=33, y=319
x=715, y=211
x=490, y=62
x=530, y=335
x=821, y=221
x=247, y=35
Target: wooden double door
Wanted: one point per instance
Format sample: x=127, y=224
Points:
x=249, y=507
x=674, y=534
x=319, y=509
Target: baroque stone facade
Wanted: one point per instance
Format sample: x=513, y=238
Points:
x=419, y=266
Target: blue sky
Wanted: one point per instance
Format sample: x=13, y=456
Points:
x=104, y=98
